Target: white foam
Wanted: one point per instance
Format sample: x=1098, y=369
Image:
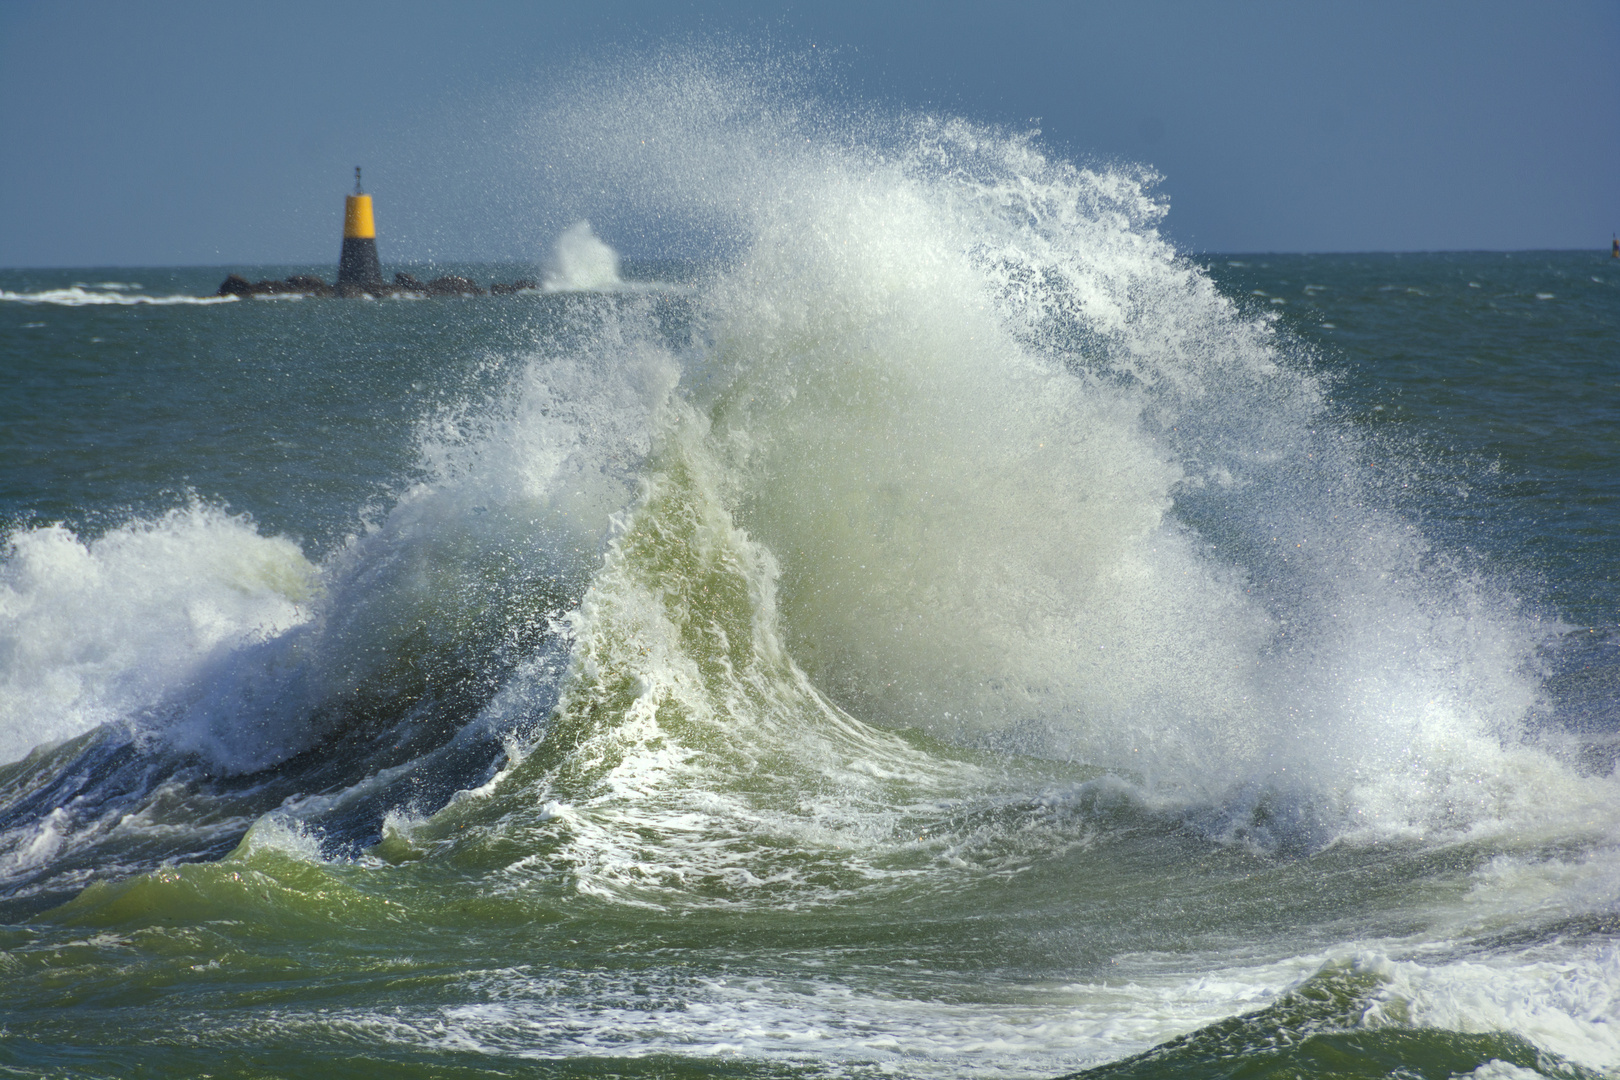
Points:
x=95, y=631
x=802, y=1017
x=281, y=835
x=502, y=532
x=1565, y=1008
x=1565, y=1000
x=1503, y=1070
x=36, y=850
x=78, y=296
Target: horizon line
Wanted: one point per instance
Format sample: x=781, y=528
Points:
x=1604, y=251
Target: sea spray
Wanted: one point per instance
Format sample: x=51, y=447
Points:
x=465, y=575
x=951, y=511
x=1033, y=482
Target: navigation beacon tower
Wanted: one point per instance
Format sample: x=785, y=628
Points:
x=358, y=268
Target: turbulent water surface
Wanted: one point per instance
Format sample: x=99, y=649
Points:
x=944, y=632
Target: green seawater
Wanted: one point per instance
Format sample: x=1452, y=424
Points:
x=951, y=634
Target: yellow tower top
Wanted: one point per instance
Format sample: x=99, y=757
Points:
x=357, y=221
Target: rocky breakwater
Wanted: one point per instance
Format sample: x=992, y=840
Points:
x=403, y=285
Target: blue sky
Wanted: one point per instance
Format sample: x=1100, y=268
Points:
x=223, y=134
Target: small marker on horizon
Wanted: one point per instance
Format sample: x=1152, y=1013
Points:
x=358, y=266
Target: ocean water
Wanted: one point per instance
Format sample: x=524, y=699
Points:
x=941, y=631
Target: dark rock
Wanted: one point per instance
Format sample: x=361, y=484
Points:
x=236, y=285
x=451, y=285
x=497, y=289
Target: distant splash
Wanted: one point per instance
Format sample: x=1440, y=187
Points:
x=117, y=293
x=581, y=262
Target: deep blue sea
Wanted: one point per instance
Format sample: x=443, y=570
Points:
x=944, y=631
